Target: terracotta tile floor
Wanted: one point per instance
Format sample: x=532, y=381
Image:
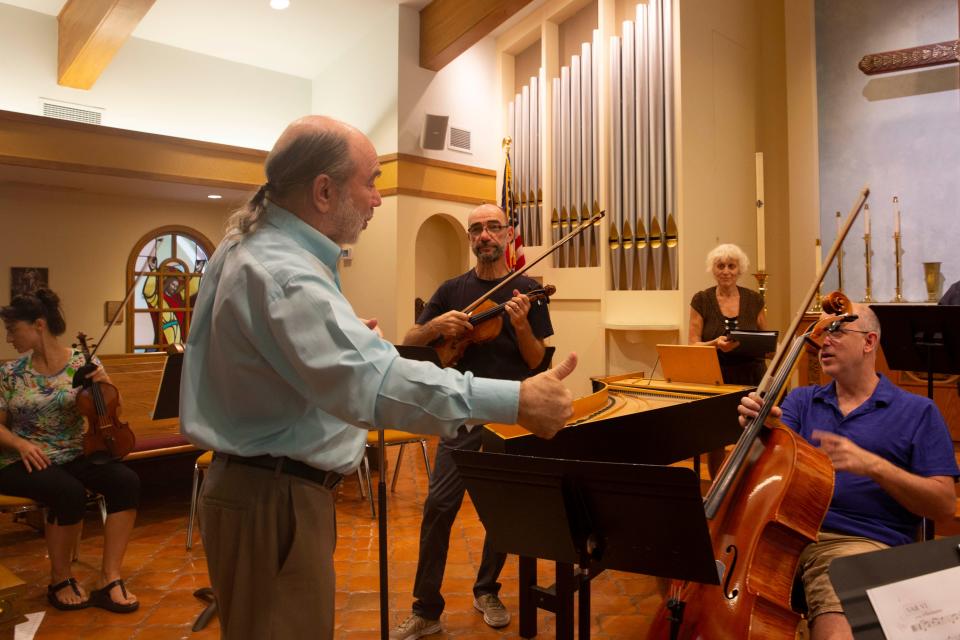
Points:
x=164, y=574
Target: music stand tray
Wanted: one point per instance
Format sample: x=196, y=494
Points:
x=853, y=575
x=585, y=513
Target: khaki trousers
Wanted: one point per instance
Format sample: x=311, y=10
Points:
x=269, y=540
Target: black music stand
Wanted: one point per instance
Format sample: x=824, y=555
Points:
x=167, y=405
x=584, y=513
x=853, y=575
x=167, y=402
x=920, y=337
x=425, y=354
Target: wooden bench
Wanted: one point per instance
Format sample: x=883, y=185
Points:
x=137, y=377
x=12, y=592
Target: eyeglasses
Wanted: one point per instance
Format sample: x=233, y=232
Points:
x=842, y=331
x=493, y=227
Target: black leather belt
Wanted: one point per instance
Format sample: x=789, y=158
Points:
x=327, y=479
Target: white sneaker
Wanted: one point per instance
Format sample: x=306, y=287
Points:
x=494, y=613
x=414, y=627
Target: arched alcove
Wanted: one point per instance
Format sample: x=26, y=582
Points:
x=441, y=253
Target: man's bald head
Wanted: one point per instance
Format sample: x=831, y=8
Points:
x=307, y=148
x=487, y=212
x=866, y=319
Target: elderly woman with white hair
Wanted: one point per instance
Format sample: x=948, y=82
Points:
x=718, y=310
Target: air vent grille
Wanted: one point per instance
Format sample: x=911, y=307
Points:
x=74, y=113
x=459, y=139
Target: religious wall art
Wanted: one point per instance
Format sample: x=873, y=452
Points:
x=168, y=271
x=27, y=279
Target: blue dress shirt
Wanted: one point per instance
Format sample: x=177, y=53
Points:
x=277, y=361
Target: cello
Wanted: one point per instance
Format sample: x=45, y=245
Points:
x=765, y=506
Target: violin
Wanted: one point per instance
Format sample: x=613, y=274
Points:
x=107, y=437
x=487, y=321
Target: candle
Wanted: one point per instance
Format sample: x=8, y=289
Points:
x=866, y=219
x=761, y=248
x=896, y=218
x=838, y=224
x=819, y=257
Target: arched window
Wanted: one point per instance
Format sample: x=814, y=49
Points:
x=169, y=263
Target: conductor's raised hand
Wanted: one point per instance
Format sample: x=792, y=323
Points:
x=451, y=324
x=545, y=403
x=749, y=408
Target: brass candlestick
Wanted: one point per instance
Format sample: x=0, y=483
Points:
x=839, y=259
x=896, y=254
x=931, y=277
x=816, y=306
x=867, y=253
x=761, y=277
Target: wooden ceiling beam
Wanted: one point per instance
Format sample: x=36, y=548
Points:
x=450, y=27
x=90, y=34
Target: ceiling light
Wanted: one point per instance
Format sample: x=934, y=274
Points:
x=279, y=4
x=214, y=196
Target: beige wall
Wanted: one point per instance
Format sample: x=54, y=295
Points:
x=85, y=239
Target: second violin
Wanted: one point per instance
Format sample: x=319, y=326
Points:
x=487, y=321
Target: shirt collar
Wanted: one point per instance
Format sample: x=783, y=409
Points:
x=882, y=394
x=325, y=249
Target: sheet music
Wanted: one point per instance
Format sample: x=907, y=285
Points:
x=921, y=608
x=27, y=630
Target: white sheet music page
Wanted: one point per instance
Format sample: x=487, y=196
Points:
x=923, y=608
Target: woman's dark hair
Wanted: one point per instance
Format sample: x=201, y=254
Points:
x=41, y=303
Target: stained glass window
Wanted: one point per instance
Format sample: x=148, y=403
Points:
x=167, y=266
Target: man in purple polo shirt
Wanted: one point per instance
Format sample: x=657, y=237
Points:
x=892, y=454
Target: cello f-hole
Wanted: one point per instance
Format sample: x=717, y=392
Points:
x=727, y=592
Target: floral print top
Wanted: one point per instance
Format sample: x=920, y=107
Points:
x=42, y=408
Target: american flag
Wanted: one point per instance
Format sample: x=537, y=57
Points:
x=508, y=202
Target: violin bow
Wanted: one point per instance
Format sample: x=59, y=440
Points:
x=151, y=258
x=559, y=243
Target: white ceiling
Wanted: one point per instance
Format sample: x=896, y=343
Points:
x=296, y=41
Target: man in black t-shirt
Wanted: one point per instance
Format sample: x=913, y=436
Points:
x=512, y=355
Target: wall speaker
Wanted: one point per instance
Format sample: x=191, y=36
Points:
x=434, y=132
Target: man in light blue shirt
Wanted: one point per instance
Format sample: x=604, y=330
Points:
x=282, y=380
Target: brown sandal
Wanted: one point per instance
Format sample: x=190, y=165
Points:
x=101, y=598
x=54, y=599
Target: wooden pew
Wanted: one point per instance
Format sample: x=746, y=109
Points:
x=137, y=377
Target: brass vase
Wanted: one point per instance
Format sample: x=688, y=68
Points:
x=931, y=277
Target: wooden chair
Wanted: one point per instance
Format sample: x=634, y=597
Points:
x=391, y=437
x=18, y=506
x=199, y=467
